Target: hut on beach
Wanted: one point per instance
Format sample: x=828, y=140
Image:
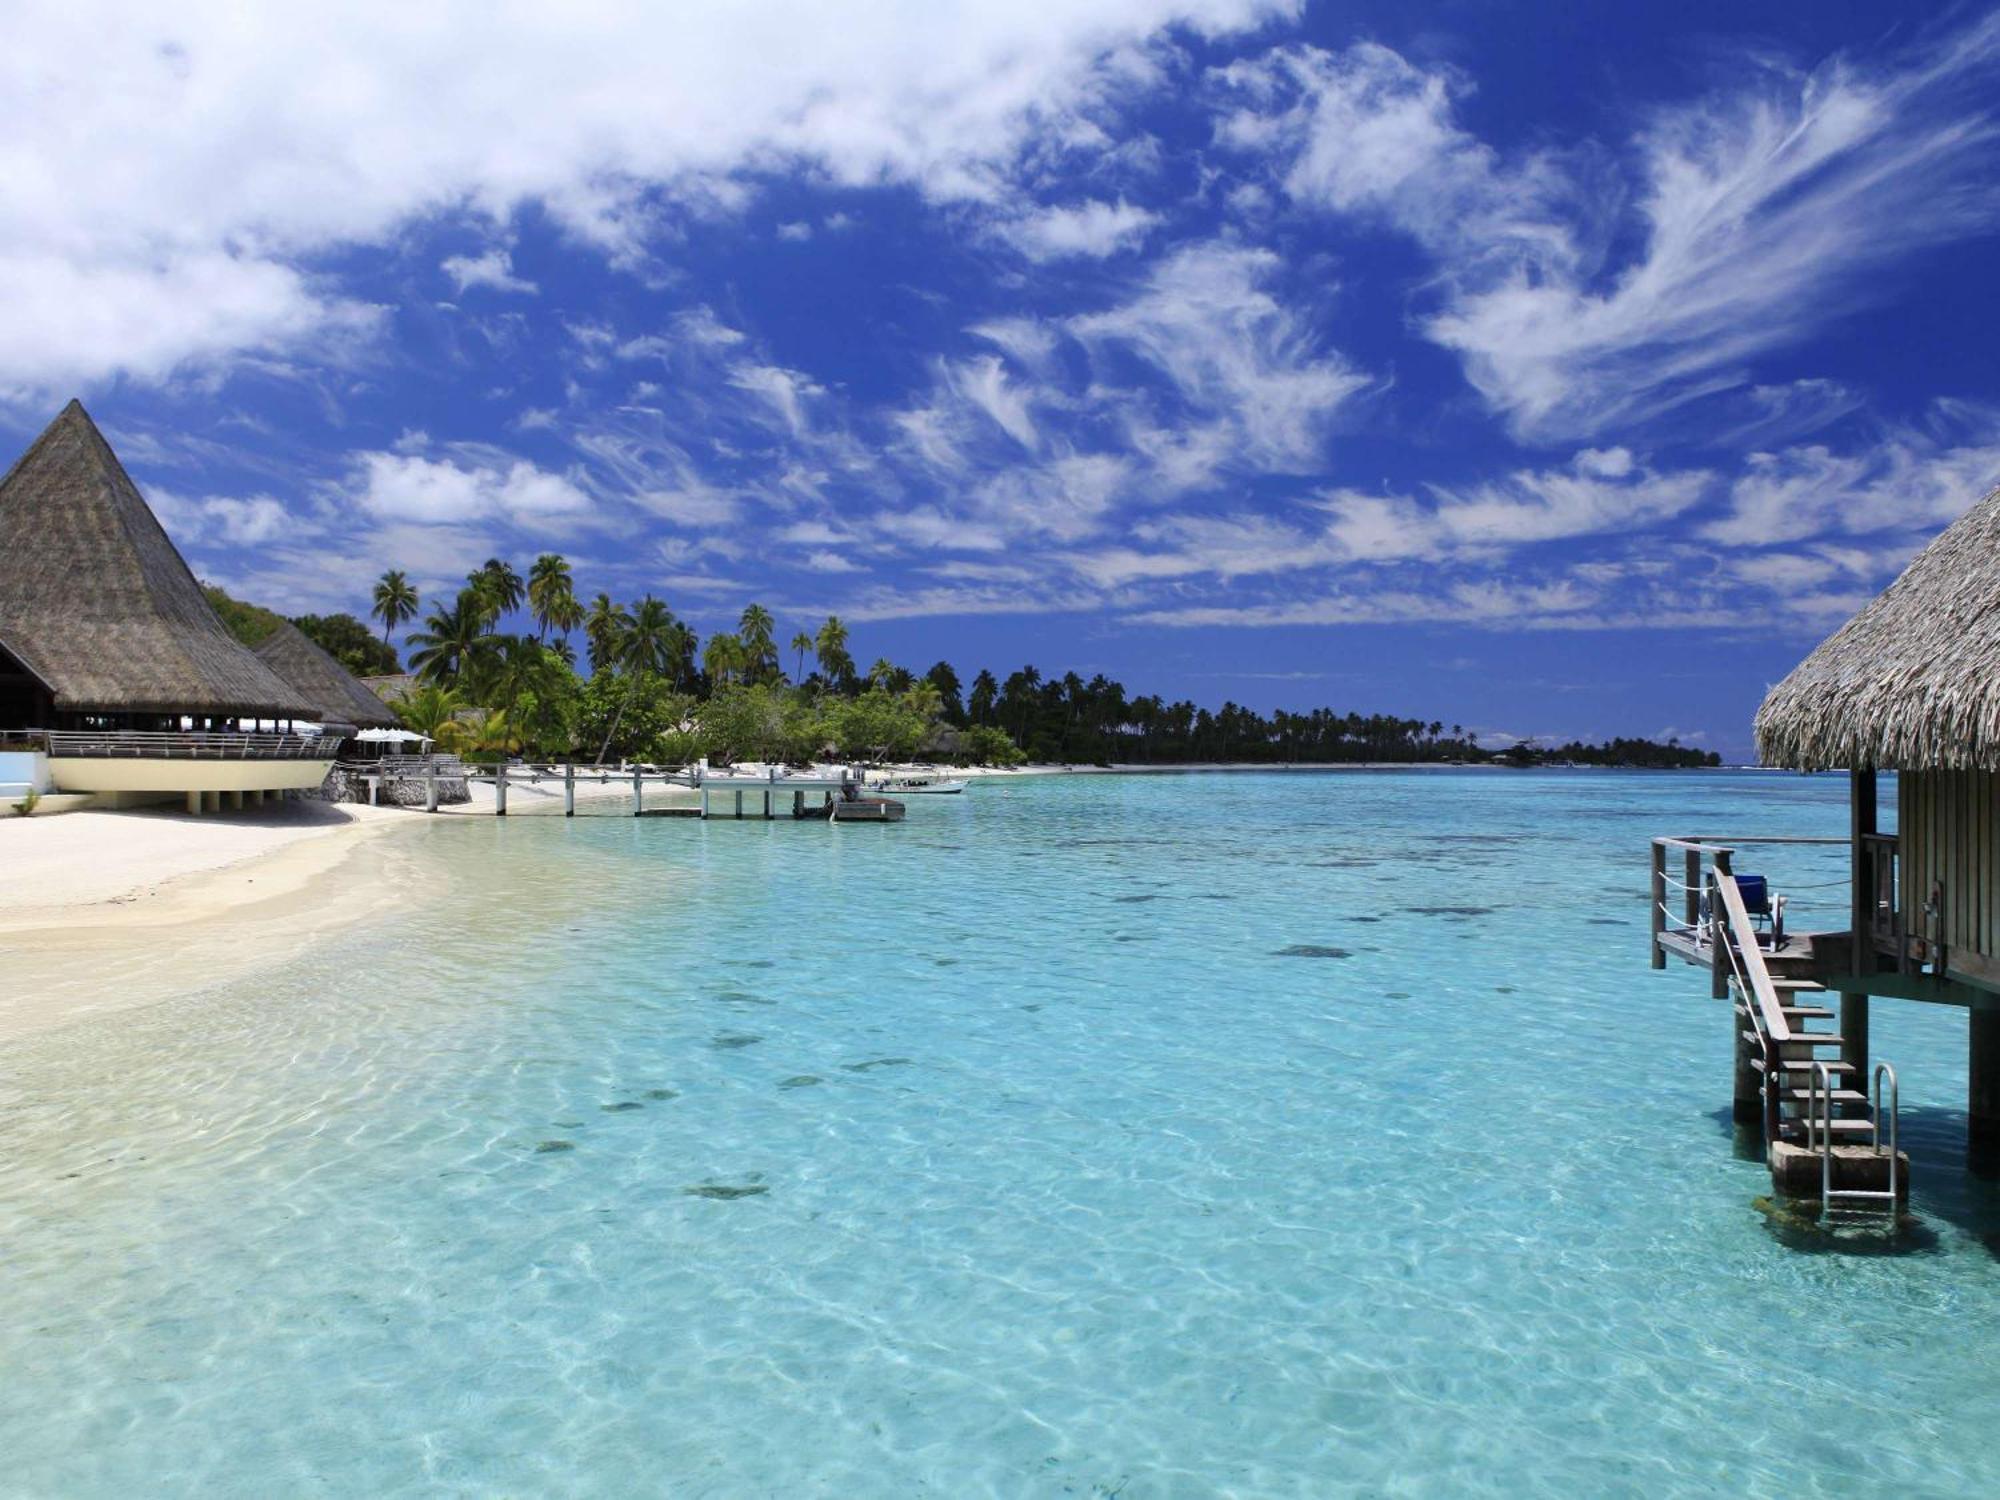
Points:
x=114, y=668
x=312, y=671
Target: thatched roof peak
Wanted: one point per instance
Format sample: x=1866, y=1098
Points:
x=98, y=604
x=316, y=674
x=1912, y=682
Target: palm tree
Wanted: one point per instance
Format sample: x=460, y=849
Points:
x=604, y=627
x=802, y=643
x=830, y=645
x=454, y=641
x=760, y=650
x=550, y=592
x=646, y=648
x=724, y=658
x=427, y=709
x=882, y=672
x=500, y=584
x=395, y=601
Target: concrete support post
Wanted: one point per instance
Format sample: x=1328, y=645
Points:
x=569, y=790
x=767, y=803
x=214, y=801
x=1983, y=1093
x=704, y=804
x=431, y=787
x=194, y=803
x=500, y=790
x=638, y=795
x=739, y=804
x=798, y=804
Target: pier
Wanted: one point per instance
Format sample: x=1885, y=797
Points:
x=829, y=796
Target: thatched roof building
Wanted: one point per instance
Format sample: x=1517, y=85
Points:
x=307, y=666
x=1912, y=682
x=99, y=610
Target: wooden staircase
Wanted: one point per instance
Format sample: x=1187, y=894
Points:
x=1826, y=1137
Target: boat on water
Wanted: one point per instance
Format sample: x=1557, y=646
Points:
x=919, y=784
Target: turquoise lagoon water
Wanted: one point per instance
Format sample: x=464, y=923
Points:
x=1222, y=1135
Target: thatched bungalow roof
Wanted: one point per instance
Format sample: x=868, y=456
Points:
x=98, y=605
x=1912, y=682
x=306, y=665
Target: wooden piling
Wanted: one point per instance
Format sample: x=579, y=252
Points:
x=1983, y=1088
x=1659, y=921
x=1746, y=1094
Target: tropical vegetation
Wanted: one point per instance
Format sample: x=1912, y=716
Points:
x=496, y=670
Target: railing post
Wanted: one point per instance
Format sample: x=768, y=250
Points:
x=1659, y=923
x=1692, y=895
x=1719, y=940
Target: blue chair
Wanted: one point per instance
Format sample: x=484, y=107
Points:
x=1767, y=911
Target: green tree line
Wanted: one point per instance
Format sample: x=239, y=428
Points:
x=645, y=686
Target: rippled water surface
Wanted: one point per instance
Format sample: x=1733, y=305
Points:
x=1246, y=1135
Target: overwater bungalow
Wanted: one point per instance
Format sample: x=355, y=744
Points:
x=1910, y=685
x=117, y=680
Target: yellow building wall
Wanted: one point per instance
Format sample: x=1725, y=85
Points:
x=78, y=773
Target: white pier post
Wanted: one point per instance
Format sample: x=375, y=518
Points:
x=638, y=794
x=430, y=786
x=500, y=790
x=569, y=789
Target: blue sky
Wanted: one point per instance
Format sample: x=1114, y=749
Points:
x=1554, y=370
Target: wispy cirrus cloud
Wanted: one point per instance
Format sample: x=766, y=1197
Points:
x=1756, y=214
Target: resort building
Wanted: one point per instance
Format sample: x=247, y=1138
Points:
x=117, y=679
x=340, y=696
x=1910, y=685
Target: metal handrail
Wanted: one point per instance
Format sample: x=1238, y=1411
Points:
x=191, y=745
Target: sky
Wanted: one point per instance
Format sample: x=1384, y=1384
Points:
x=1556, y=370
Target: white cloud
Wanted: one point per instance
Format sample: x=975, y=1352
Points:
x=252, y=521
x=1093, y=229
x=1205, y=319
x=170, y=169
x=1912, y=480
x=494, y=269
x=796, y=232
x=411, y=487
x=1760, y=214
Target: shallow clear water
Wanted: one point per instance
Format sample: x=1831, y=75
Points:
x=1026, y=1161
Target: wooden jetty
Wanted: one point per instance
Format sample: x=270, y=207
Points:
x=1911, y=685
x=834, y=796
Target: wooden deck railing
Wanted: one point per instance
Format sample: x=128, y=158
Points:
x=194, y=745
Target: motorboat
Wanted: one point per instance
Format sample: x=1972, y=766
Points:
x=919, y=783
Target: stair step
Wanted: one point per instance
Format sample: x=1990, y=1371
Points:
x=1798, y=984
x=1840, y=1096
x=1806, y=1012
x=1805, y=1065
x=1840, y=1127
x=1804, y=1039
